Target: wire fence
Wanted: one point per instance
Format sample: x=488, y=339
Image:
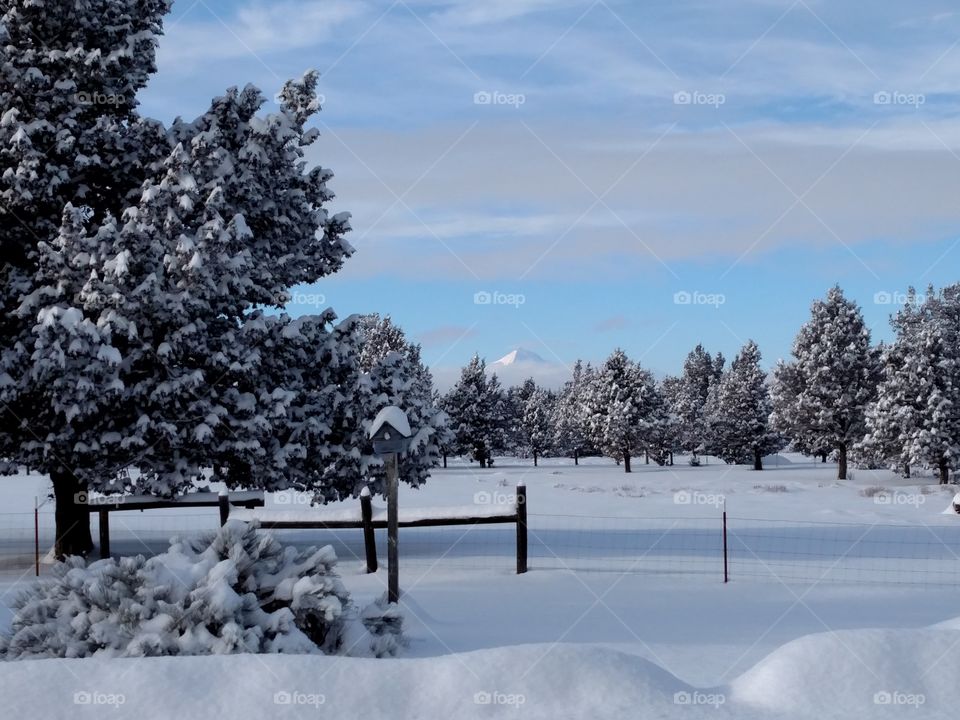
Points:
x=758, y=549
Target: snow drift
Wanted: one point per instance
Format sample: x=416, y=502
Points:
x=851, y=674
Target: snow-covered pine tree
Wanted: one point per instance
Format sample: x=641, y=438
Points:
x=689, y=398
x=168, y=302
x=516, y=441
x=820, y=398
x=537, y=422
x=571, y=436
x=381, y=336
x=393, y=374
x=621, y=406
x=478, y=412
x=670, y=389
x=916, y=418
x=892, y=417
x=738, y=414
x=69, y=133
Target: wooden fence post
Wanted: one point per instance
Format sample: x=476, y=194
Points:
x=223, y=501
x=369, y=538
x=36, y=536
x=521, y=529
x=104, y=533
x=393, y=534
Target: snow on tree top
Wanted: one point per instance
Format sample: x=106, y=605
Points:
x=393, y=415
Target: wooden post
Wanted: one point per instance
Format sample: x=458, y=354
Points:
x=726, y=571
x=393, y=553
x=521, y=529
x=36, y=536
x=104, y=533
x=369, y=538
x=224, y=503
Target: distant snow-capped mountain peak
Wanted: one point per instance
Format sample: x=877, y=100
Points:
x=520, y=356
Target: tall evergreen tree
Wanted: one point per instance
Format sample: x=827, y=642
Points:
x=479, y=417
x=621, y=408
x=69, y=133
x=820, y=398
x=131, y=314
x=916, y=418
x=515, y=438
x=738, y=414
x=571, y=435
x=537, y=422
x=689, y=396
x=381, y=336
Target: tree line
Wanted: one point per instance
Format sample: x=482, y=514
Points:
x=893, y=405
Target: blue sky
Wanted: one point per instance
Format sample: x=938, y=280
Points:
x=644, y=175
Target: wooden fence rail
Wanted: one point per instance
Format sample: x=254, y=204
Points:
x=517, y=515
x=103, y=506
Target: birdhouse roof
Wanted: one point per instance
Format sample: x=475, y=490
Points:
x=393, y=416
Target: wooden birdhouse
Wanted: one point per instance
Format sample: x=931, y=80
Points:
x=390, y=431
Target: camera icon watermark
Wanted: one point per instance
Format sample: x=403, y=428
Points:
x=695, y=97
x=899, y=499
x=94, y=697
x=894, y=97
x=293, y=697
x=312, y=299
x=84, y=498
x=495, y=97
x=695, y=697
x=98, y=98
x=499, y=698
x=695, y=497
x=895, y=697
x=895, y=297
x=495, y=297
x=686, y=297
x=291, y=498
x=497, y=498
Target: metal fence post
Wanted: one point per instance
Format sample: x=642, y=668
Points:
x=521, y=529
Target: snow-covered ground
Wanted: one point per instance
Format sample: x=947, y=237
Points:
x=834, y=589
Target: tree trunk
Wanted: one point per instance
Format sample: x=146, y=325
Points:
x=944, y=472
x=671, y=458
x=576, y=457
x=646, y=457
x=823, y=457
x=444, y=459
x=757, y=459
x=626, y=463
x=842, y=463
x=71, y=517
x=534, y=458
x=906, y=470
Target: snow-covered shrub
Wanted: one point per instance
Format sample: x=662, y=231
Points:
x=376, y=631
x=234, y=591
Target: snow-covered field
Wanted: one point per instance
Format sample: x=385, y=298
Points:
x=834, y=591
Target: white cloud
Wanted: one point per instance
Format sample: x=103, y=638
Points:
x=696, y=195
x=209, y=32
